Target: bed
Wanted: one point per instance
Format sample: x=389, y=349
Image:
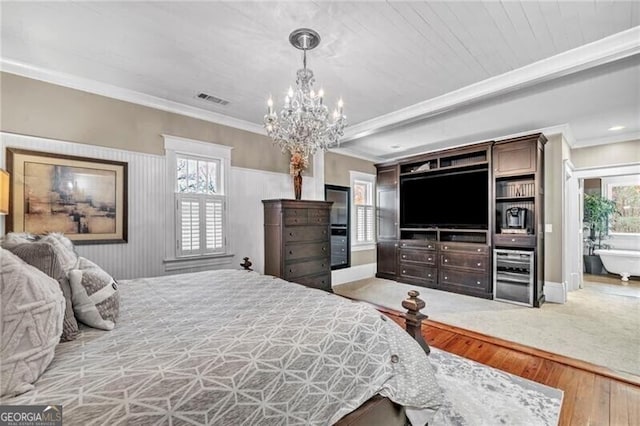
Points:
x=234, y=347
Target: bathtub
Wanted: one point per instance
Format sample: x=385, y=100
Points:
x=623, y=262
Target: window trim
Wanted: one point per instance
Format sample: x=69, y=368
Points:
x=175, y=146
x=607, y=184
x=371, y=179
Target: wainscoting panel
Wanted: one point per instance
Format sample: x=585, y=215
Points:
x=249, y=187
x=142, y=255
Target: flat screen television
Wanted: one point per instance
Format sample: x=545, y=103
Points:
x=458, y=200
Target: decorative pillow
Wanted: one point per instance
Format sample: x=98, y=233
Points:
x=64, y=249
x=96, y=299
x=45, y=257
x=13, y=239
x=32, y=310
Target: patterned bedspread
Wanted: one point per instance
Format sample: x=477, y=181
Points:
x=233, y=347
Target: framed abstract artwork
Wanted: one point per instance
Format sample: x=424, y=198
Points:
x=84, y=198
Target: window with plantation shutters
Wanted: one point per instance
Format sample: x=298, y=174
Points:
x=364, y=212
x=199, y=207
x=364, y=223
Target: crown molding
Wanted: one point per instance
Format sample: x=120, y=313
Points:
x=122, y=94
x=606, y=50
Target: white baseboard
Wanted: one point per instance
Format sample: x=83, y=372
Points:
x=354, y=273
x=555, y=292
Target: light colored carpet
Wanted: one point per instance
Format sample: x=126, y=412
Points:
x=599, y=324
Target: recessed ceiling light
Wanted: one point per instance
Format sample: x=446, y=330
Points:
x=614, y=128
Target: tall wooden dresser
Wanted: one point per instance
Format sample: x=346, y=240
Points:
x=297, y=243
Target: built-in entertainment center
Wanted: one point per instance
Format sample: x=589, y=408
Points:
x=443, y=217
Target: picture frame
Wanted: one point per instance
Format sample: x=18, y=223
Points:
x=83, y=198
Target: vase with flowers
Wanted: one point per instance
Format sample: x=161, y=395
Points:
x=297, y=164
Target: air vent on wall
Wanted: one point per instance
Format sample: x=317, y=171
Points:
x=213, y=99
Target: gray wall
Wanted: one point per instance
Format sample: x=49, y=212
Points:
x=606, y=155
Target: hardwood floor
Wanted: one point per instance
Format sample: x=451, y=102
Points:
x=593, y=395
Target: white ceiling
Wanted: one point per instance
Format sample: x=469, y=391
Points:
x=415, y=76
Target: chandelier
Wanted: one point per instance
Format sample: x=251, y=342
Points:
x=304, y=124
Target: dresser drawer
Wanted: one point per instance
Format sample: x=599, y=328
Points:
x=295, y=217
x=473, y=262
x=321, y=281
x=304, y=250
x=338, y=259
x=421, y=244
x=466, y=248
x=318, y=217
x=306, y=233
x=422, y=256
x=513, y=240
x=423, y=273
x=338, y=249
x=338, y=239
x=309, y=267
x=459, y=278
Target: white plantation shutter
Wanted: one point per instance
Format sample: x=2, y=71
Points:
x=200, y=224
x=189, y=224
x=214, y=208
x=364, y=223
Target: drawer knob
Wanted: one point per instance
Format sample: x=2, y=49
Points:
x=446, y=260
x=479, y=264
x=479, y=249
x=446, y=247
x=428, y=259
x=404, y=256
x=513, y=239
x=342, y=249
x=290, y=252
x=429, y=275
x=478, y=282
x=324, y=249
x=404, y=245
x=446, y=278
x=291, y=270
x=291, y=234
x=404, y=272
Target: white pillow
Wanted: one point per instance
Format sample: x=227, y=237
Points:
x=32, y=307
x=94, y=295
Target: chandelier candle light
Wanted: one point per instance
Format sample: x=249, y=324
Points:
x=304, y=125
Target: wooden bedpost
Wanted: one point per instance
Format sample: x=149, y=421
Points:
x=246, y=264
x=413, y=318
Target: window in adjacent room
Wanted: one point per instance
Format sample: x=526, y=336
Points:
x=625, y=192
x=199, y=205
x=363, y=210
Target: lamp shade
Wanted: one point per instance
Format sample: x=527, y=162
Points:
x=4, y=192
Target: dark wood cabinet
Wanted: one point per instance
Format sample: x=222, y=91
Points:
x=387, y=203
x=519, y=220
x=387, y=258
x=460, y=258
x=387, y=211
x=297, y=243
x=514, y=158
